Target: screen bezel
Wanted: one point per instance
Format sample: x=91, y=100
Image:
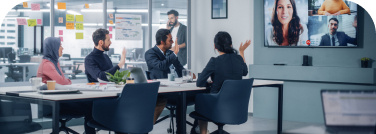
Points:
x=359, y=11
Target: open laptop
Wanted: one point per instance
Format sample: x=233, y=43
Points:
x=138, y=74
x=349, y=111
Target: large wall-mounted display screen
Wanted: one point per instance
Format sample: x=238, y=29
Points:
x=310, y=23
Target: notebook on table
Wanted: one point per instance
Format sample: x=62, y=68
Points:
x=349, y=111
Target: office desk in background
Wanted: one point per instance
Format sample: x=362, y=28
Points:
x=55, y=100
x=23, y=65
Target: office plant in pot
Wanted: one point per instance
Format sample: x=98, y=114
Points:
x=364, y=62
x=120, y=78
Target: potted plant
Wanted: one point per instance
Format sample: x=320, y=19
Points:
x=119, y=78
x=364, y=62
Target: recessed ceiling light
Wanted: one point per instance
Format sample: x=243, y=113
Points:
x=162, y=4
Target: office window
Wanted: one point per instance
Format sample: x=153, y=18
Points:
x=160, y=20
x=19, y=37
x=134, y=37
x=77, y=39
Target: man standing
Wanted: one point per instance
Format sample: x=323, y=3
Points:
x=335, y=38
x=97, y=64
x=179, y=33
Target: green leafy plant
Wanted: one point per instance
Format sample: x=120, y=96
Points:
x=118, y=77
x=364, y=59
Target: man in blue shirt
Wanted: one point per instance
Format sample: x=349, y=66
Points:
x=97, y=63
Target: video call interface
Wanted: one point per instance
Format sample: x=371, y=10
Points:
x=310, y=23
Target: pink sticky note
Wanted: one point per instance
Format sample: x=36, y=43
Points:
x=60, y=32
x=110, y=28
x=110, y=36
x=35, y=7
x=21, y=21
x=61, y=39
x=39, y=21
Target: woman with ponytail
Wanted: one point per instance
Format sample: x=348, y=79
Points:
x=227, y=66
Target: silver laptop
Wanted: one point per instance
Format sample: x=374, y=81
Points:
x=349, y=110
x=138, y=74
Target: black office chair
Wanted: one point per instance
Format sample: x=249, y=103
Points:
x=228, y=106
x=131, y=112
x=15, y=118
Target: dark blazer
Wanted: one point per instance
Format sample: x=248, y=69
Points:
x=221, y=68
x=159, y=65
x=343, y=39
x=182, y=38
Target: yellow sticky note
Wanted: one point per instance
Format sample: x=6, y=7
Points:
x=69, y=17
x=79, y=26
x=31, y=22
x=61, y=5
x=111, y=22
x=25, y=5
x=79, y=18
x=79, y=35
x=86, y=5
x=69, y=25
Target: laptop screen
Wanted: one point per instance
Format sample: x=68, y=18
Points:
x=349, y=108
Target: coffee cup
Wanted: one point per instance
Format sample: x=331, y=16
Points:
x=171, y=77
x=51, y=85
x=35, y=83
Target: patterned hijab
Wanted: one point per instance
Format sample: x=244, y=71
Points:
x=51, y=47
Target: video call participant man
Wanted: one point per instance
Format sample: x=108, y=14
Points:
x=179, y=33
x=159, y=59
x=334, y=7
x=336, y=38
x=97, y=63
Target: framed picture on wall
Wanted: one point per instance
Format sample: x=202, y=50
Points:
x=219, y=9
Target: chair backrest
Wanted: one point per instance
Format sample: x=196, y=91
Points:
x=67, y=56
x=24, y=58
x=233, y=101
x=135, y=108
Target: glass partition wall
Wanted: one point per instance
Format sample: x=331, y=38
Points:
x=74, y=22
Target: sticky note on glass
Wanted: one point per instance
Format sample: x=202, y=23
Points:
x=25, y=5
x=110, y=36
x=31, y=22
x=61, y=20
x=111, y=22
x=86, y=5
x=109, y=28
x=69, y=25
x=69, y=17
x=60, y=32
x=21, y=21
x=39, y=21
x=111, y=16
x=79, y=26
x=79, y=18
x=79, y=35
x=61, y=39
x=35, y=7
x=61, y=5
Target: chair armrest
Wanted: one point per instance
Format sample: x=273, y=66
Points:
x=205, y=104
x=103, y=107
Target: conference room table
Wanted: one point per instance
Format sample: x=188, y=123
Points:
x=94, y=92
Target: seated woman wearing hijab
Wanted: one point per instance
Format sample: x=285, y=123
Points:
x=218, y=67
x=50, y=69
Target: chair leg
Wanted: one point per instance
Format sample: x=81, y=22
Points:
x=220, y=129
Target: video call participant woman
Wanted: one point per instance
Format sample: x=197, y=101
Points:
x=50, y=69
x=286, y=28
x=227, y=66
